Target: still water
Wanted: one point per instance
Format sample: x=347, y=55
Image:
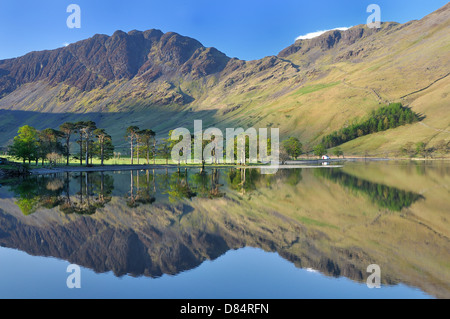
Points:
x=229, y=233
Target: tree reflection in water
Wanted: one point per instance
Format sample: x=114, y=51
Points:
x=142, y=189
x=85, y=192
x=94, y=190
x=37, y=191
x=384, y=196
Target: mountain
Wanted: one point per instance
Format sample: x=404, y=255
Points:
x=101, y=60
x=310, y=89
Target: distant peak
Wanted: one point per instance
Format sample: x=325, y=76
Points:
x=119, y=33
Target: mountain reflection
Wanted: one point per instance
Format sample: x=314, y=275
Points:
x=155, y=222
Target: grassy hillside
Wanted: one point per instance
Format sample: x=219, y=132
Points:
x=311, y=89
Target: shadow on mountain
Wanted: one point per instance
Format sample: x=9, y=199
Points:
x=159, y=119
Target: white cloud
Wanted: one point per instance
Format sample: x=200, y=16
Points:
x=65, y=44
x=318, y=33
x=311, y=270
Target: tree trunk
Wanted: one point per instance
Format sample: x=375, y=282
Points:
x=81, y=150
x=87, y=150
x=68, y=149
x=154, y=151
x=131, y=150
x=101, y=153
x=137, y=152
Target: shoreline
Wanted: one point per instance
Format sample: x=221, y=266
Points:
x=105, y=168
x=288, y=164
x=118, y=167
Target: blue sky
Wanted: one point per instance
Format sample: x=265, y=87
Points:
x=247, y=29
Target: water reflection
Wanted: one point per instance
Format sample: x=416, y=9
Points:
x=35, y=192
x=94, y=191
x=384, y=196
x=166, y=221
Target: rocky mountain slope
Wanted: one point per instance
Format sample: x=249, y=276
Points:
x=309, y=89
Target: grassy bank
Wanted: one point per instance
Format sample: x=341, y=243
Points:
x=126, y=161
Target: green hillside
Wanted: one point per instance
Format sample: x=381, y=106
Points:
x=311, y=89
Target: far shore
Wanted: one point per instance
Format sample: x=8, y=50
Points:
x=128, y=167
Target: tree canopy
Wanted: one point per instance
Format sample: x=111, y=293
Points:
x=25, y=145
x=384, y=118
x=293, y=147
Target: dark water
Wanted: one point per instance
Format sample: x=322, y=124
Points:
x=229, y=233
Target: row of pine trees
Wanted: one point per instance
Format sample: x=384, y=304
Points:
x=52, y=145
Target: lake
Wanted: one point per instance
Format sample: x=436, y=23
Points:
x=229, y=233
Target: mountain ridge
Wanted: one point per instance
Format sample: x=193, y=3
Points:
x=354, y=70
x=96, y=61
